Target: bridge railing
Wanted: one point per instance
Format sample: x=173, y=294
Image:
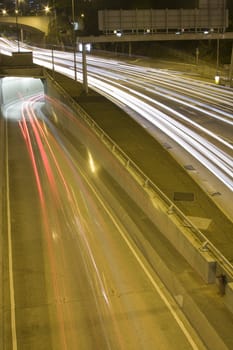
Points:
x=223, y=264
x=147, y=183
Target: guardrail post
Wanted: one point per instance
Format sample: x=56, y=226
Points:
x=170, y=209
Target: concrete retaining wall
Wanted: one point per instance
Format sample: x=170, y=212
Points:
x=17, y=59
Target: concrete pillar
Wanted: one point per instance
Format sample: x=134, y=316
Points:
x=130, y=48
x=1, y=96
x=21, y=34
x=231, y=68
x=84, y=63
x=217, y=58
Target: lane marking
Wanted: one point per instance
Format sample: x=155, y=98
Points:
x=144, y=268
x=10, y=259
x=151, y=279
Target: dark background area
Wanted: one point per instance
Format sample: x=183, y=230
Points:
x=129, y=4
x=61, y=29
x=90, y=8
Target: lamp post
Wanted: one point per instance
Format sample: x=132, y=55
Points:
x=47, y=11
x=17, y=23
x=197, y=56
x=74, y=41
x=84, y=62
x=84, y=65
x=217, y=56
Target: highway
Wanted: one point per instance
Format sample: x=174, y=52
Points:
x=78, y=272
x=74, y=277
x=195, y=115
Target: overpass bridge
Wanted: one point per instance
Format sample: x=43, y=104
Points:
x=129, y=38
x=38, y=23
x=178, y=36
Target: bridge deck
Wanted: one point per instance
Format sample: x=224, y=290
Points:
x=155, y=37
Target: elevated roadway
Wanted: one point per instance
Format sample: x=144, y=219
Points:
x=156, y=37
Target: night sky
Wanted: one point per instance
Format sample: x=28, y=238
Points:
x=132, y=4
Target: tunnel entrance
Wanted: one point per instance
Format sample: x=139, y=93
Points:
x=16, y=90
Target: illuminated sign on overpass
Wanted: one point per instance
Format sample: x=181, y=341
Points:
x=210, y=14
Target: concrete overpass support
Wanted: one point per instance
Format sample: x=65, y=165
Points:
x=231, y=69
x=1, y=97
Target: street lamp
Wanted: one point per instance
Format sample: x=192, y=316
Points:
x=46, y=9
x=85, y=84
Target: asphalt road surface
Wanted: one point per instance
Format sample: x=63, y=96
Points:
x=73, y=277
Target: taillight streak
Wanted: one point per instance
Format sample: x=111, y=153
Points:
x=26, y=136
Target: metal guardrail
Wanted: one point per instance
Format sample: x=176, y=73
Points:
x=223, y=263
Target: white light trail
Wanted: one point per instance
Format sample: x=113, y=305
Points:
x=143, y=90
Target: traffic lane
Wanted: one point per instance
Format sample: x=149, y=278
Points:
x=54, y=279
x=172, y=81
x=163, y=81
x=29, y=268
x=192, y=106
x=211, y=123
x=208, y=155
x=92, y=231
x=183, y=87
